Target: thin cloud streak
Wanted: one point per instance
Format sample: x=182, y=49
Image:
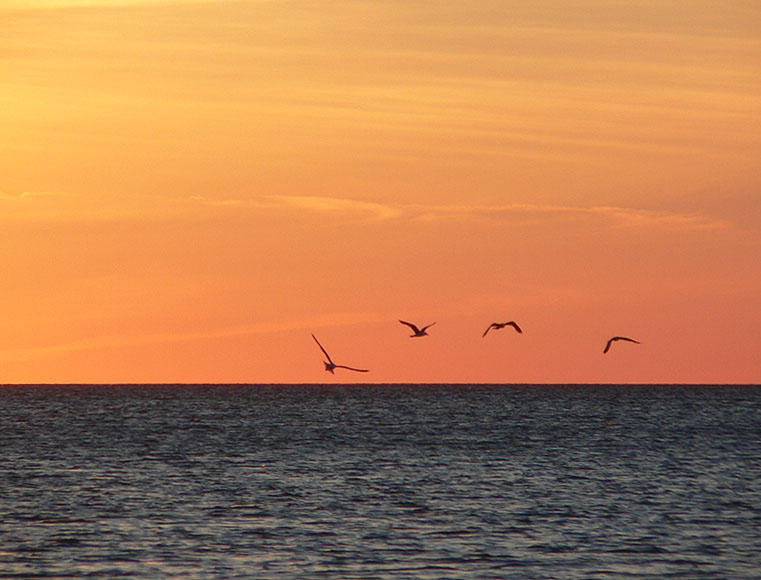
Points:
x=632, y=217
x=379, y=212
x=315, y=204
x=123, y=341
x=103, y=4
x=621, y=216
x=26, y=195
x=339, y=205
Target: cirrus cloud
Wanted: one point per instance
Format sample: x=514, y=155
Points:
x=26, y=195
x=617, y=216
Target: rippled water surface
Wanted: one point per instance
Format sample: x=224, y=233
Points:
x=396, y=481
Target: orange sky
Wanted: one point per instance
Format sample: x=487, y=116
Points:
x=189, y=189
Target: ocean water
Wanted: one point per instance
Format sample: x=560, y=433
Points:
x=387, y=481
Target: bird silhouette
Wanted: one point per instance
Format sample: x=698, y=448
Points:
x=614, y=339
x=501, y=325
x=417, y=331
x=330, y=366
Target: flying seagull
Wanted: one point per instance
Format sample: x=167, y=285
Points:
x=615, y=338
x=330, y=365
x=501, y=325
x=418, y=331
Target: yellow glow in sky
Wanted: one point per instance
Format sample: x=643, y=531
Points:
x=188, y=190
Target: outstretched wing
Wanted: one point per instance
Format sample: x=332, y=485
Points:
x=611, y=340
x=414, y=328
x=515, y=326
x=427, y=327
x=325, y=352
x=492, y=325
x=352, y=369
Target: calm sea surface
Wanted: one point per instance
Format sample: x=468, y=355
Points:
x=398, y=481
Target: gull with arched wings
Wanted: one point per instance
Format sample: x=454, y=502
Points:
x=615, y=338
x=417, y=332
x=330, y=365
x=501, y=325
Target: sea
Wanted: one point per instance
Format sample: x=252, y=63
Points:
x=380, y=481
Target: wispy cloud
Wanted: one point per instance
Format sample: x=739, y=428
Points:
x=373, y=211
x=314, y=204
x=622, y=216
x=340, y=205
x=43, y=4
x=27, y=195
x=211, y=202
x=313, y=323
x=615, y=216
x=642, y=217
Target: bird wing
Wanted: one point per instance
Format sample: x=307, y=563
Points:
x=611, y=340
x=515, y=326
x=427, y=327
x=352, y=369
x=492, y=325
x=412, y=326
x=325, y=352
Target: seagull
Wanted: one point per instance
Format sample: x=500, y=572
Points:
x=501, y=325
x=418, y=331
x=615, y=338
x=330, y=365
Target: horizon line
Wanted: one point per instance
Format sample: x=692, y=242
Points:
x=389, y=384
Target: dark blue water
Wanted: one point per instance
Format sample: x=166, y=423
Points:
x=529, y=482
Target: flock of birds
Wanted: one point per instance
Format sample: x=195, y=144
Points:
x=418, y=332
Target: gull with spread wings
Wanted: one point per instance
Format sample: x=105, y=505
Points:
x=330, y=365
x=417, y=331
x=501, y=325
x=614, y=339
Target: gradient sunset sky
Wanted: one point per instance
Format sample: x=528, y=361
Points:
x=188, y=190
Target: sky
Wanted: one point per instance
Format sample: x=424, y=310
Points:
x=189, y=190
